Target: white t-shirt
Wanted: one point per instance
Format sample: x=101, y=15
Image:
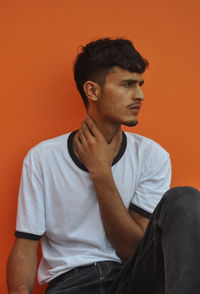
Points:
x=57, y=201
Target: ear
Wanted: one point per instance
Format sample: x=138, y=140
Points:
x=92, y=90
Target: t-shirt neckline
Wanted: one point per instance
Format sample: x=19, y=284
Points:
x=80, y=164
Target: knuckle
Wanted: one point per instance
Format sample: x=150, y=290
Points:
x=83, y=126
x=90, y=124
x=91, y=141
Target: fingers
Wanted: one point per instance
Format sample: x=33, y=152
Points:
x=93, y=128
x=86, y=131
x=81, y=136
x=89, y=133
x=84, y=135
x=77, y=141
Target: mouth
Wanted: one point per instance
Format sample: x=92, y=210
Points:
x=135, y=108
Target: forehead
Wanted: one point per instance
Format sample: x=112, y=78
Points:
x=119, y=74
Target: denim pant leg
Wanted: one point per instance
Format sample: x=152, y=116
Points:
x=167, y=259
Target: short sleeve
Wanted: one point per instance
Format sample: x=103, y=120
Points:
x=31, y=214
x=153, y=183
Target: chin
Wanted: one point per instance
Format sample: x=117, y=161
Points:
x=131, y=123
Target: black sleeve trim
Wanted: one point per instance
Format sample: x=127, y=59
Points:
x=140, y=211
x=27, y=236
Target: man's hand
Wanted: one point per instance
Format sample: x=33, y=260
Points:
x=92, y=148
x=97, y=155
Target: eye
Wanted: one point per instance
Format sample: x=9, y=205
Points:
x=128, y=84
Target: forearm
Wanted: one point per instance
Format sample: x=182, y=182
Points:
x=121, y=229
x=97, y=155
x=21, y=271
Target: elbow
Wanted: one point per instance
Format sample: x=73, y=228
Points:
x=124, y=257
x=127, y=251
x=125, y=254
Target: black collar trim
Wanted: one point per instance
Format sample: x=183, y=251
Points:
x=80, y=164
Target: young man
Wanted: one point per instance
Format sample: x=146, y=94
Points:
x=89, y=195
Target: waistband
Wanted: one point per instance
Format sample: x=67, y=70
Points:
x=64, y=276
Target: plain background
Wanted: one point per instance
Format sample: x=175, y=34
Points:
x=39, y=100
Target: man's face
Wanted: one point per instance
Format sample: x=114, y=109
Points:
x=121, y=97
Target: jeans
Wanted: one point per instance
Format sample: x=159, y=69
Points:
x=166, y=261
x=95, y=279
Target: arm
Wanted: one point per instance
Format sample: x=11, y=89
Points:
x=122, y=229
x=22, y=267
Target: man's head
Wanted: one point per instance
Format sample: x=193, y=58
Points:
x=97, y=59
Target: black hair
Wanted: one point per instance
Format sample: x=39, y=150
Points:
x=97, y=59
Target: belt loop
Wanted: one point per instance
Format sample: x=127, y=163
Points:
x=100, y=271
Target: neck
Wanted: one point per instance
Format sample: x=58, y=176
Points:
x=107, y=129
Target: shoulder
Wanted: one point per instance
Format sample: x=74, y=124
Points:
x=46, y=149
x=145, y=147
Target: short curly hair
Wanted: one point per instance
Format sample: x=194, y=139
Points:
x=97, y=59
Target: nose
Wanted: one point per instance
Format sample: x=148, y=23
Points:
x=138, y=94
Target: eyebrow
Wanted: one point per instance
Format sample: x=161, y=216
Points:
x=133, y=81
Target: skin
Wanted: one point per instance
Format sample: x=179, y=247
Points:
x=112, y=105
x=96, y=144
x=109, y=107
x=22, y=266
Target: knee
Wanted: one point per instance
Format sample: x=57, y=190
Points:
x=184, y=192
x=182, y=201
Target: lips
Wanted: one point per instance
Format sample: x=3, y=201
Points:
x=135, y=107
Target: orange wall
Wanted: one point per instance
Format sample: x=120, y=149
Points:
x=39, y=100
